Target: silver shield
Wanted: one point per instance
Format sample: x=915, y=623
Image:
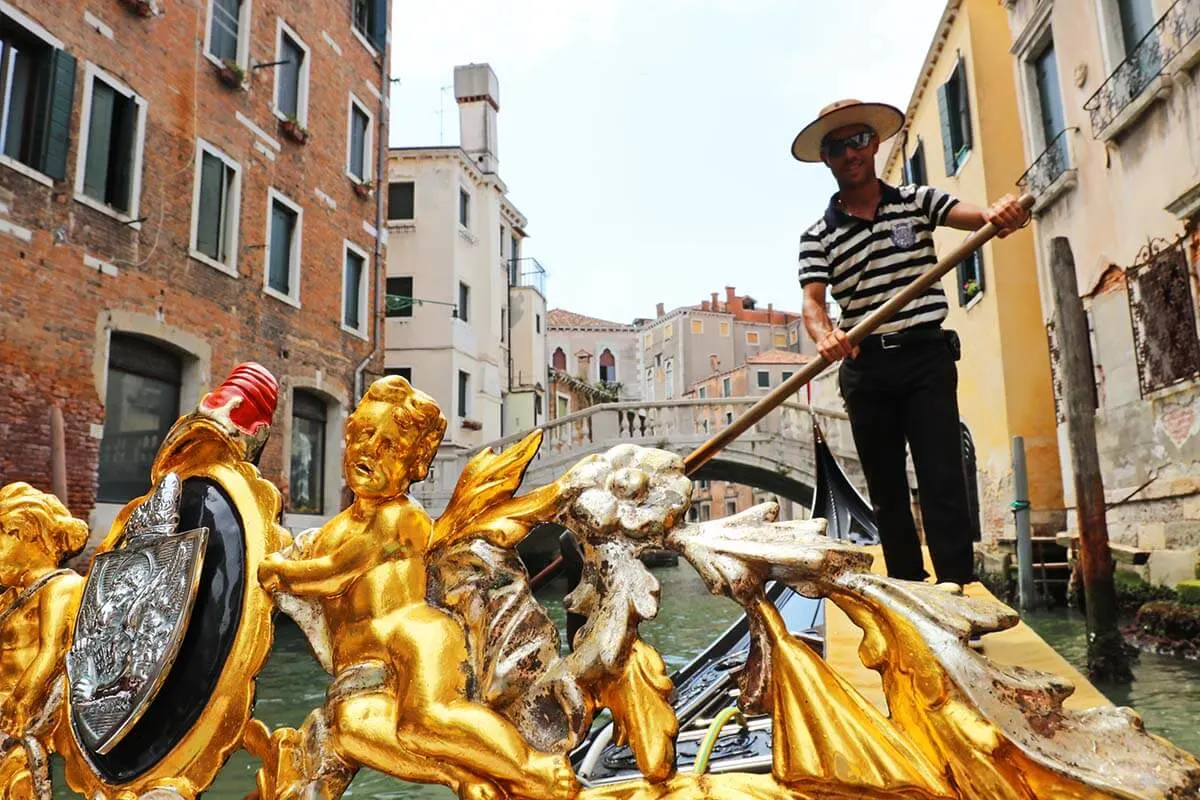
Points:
x=132, y=619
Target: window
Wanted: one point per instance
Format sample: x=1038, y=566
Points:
x=109, y=174
x=751, y=337
x=358, y=158
x=503, y=324
x=730, y=507
x=216, y=202
x=1049, y=91
x=559, y=359
x=697, y=326
x=464, y=208
x=794, y=335
x=705, y=512
x=764, y=379
x=306, y=489
x=141, y=404
x=284, y=220
x=780, y=340
x=563, y=407
x=669, y=383
x=37, y=82
x=370, y=22
x=954, y=109
x=464, y=302
x=514, y=253
x=724, y=328
x=970, y=277
x=914, y=166
x=537, y=323
x=702, y=392
x=400, y=200
x=354, y=290
x=786, y=376
x=464, y=386
x=728, y=417
x=228, y=31
x=669, y=331
x=608, y=367
x=649, y=339
x=1137, y=18
x=400, y=293
x=726, y=387
x=291, y=76
x=403, y=372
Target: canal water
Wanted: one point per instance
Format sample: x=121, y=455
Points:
x=1166, y=691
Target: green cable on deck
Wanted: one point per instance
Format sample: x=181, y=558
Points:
x=710, y=738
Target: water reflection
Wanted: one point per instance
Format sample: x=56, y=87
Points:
x=1166, y=691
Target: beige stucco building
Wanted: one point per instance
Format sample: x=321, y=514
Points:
x=602, y=354
x=1111, y=128
x=466, y=312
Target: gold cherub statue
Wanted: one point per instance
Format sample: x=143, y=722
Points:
x=37, y=606
x=399, y=699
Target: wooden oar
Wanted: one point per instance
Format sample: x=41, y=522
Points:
x=707, y=451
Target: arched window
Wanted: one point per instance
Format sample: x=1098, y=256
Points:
x=608, y=367
x=306, y=489
x=559, y=360
x=141, y=404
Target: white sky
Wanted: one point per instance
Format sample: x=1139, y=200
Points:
x=647, y=141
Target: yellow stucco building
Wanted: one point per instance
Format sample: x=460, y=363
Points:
x=963, y=134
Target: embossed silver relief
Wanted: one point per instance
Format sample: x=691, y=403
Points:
x=132, y=619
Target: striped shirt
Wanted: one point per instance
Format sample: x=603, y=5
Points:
x=866, y=263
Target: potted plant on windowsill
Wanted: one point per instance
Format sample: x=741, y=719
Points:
x=970, y=288
x=231, y=74
x=362, y=189
x=472, y=425
x=142, y=8
x=292, y=129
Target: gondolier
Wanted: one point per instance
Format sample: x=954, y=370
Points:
x=900, y=385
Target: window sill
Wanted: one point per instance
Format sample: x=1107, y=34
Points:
x=1061, y=185
x=129, y=221
x=974, y=301
x=364, y=41
x=401, y=225
x=228, y=269
x=1157, y=89
x=466, y=236
x=26, y=170
x=355, y=332
x=966, y=159
x=282, y=117
x=1158, y=395
x=281, y=297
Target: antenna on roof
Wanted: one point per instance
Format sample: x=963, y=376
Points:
x=442, y=114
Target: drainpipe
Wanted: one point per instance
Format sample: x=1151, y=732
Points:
x=508, y=322
x=385, y=86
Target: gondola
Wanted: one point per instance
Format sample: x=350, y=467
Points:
x=708, y=684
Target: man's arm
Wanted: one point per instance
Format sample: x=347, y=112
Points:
x=831, y=341
x=1006, y=213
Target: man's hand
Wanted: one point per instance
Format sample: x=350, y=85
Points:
x=834, y=346
x=1007, y=214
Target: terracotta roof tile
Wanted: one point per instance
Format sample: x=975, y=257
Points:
x=778, y=357
x=561, y=318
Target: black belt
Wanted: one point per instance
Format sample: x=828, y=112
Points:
x=906, y=338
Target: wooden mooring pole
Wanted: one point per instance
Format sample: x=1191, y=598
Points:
x=1106, y=655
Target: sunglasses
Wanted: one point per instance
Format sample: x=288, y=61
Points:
x=836, y=147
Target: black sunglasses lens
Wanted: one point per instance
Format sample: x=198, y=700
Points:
x=836, y=147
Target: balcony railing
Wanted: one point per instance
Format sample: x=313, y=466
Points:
x=1167, y=39
x=1054, y=161
x=528, y=272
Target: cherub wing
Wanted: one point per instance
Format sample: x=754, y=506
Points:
x=483, y=505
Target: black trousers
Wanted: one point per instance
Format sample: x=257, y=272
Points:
x=910, y=394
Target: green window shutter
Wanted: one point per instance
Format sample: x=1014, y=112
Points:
x=944, y=118
x=208, y=212
x=283, y=223
x=353, y=283
x=964, y=104
x=53, y=158
x=125, y=114
x=100, y=125
x=379, y=24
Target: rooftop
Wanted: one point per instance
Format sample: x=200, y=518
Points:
x=561, y=318
x=778, y=357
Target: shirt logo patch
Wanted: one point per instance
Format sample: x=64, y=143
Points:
x=904, y=234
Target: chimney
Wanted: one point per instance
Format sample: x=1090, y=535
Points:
x=478, y=94
x=714, y=363
x=730, y=294
x=704, y=305
x=584, y=360
x=770, y=313
x=658, y=309
x=715, y=306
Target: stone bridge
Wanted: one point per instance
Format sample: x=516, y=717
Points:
x=776, y=455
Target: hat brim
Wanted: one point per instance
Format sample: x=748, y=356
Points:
x=884, y=119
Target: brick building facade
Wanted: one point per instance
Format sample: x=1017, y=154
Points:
x=185, y=186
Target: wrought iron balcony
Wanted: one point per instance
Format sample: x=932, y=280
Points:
x=1047, y=168
x=1167, y=39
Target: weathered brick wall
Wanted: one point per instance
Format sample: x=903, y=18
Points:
x=54, y=307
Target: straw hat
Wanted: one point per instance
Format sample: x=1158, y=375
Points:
x=882, y=118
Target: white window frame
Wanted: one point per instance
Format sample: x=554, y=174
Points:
x=1038, y=32
x=91, y=74
x=274, y=194
x=697, y=326
x=361, y=331
x=458, y=208
x=243, y=45
x=234, y=212
x=363, y=40
x=757, y=338
x=304, y=75
x=368, y=140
